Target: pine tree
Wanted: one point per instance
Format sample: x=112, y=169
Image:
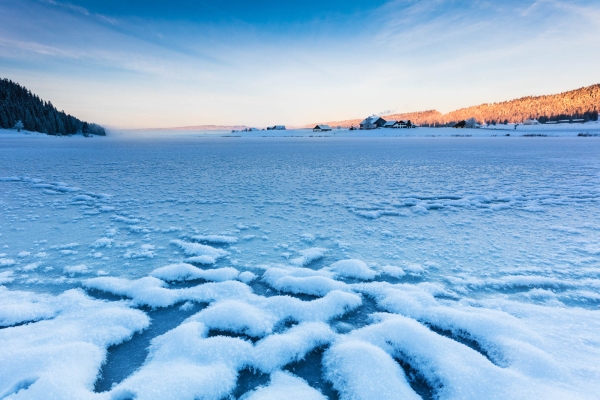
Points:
x=18, y=104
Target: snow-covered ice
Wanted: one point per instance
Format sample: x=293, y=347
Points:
x=201, y=266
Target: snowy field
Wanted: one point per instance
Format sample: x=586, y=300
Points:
x=209, y=267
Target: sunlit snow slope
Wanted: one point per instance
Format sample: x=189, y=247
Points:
x=300, y=268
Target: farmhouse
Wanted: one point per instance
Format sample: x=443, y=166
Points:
x=398, y=124
x=372, y=122
x=276, y=128
x=321, y=128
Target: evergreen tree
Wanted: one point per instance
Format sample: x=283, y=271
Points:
x=19, y=104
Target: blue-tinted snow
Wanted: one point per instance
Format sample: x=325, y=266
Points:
x=469, y=263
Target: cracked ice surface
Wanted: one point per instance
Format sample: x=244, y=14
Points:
x=300, y=268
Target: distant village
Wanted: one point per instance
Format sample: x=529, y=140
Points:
x=376, y=122
x=372, y=122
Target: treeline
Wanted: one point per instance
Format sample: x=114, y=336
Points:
x=581, y=103
x=17, y=104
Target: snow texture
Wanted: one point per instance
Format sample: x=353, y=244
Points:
x=376, y=267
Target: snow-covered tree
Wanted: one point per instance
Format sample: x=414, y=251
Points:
x=471, y=123
x=19, y=125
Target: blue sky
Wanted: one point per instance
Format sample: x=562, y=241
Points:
x=154, y=63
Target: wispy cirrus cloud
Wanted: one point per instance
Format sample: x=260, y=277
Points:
x=81, y=10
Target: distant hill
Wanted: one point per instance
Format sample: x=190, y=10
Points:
x=581, y=103
x=19, y=104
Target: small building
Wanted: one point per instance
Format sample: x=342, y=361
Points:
x=322, y=128
x=372, y=122
x=276, y=128
x=399, y=124
x=531, y=121
x=460, y=124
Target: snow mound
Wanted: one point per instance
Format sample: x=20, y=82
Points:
x=352, y=269
x=7, y=262
x=187, y=272
x=453, y=369
x=61, y=357
x=307, y=256
x=302, y=280
x=200, y=253
x=238, y=317
x=73, y=270
x=6, y=277
x=215, y=239
x=362, y=371
x=184, y=364
x=277, y=350
x=284, y=385
x=393, y=271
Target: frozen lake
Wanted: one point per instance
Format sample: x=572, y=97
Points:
x=325, y=267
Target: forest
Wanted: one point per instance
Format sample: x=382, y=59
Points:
x=583, y=103
x=21, y=109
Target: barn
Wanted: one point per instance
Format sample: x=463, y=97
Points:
x=322, y=128
x=372, y=122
